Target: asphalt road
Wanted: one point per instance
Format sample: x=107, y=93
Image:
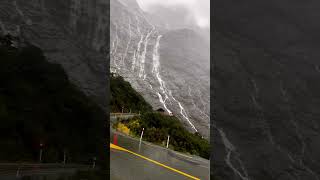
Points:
x=14, y=171
x=126, y=166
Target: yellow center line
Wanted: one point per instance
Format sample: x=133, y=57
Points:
x=153, y=161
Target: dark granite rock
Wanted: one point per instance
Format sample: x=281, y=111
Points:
x=72, y=33
x=266, y=90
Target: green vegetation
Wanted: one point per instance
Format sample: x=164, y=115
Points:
x=158, y=127
x=123, y=95
x=38, y=104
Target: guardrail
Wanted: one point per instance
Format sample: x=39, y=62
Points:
x=124, y=114
x=21, y=169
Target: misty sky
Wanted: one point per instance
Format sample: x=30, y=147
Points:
x=196, y=11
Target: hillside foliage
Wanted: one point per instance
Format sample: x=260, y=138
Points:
x=158, y=127
x=38, y=104
x=123, y=95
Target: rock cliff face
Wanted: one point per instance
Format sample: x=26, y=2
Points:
x=73, y=33
x=170, y=68
x=266, y=90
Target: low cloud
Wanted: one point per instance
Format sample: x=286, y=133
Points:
x=195, y=12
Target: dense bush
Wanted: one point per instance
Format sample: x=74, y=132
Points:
x=123, y=95
x=38, y=104
x=158, y=127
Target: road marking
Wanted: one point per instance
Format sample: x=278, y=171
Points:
x=153, y=161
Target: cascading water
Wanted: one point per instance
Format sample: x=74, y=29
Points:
x=143, y=55
x=167, y=93
x=136, y=58
x=264, y=125
x=202, y=112
x=230, y=149
x=299, y=159
x=141, y=52
x=128, y=44
x=26, y=19
x=3, y=28
x=136, y=53
x=116, y=47
x=156, y=72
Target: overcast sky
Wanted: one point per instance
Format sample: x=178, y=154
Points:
x=199, y=10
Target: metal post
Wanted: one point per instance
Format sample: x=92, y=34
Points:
x=141, y=134
x=18, y=171
x=141, y=139
x=40, y=155
x=115, y=139
x=94, y=162
x=64, y=157
x=168, y=141
x=139, y=146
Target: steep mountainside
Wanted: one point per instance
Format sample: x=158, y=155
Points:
x=170, y=68
x=38, y=104
x=72, y=33
x=157, y=125
x=266, y=90
x=124, y=96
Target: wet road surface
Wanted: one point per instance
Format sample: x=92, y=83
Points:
x=124, y=165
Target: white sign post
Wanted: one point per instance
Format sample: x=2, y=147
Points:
x=40, y=153
x=141, y=139
x=64, y=157
x=94, y=162
x=18, y=171
x=141, y=134
x=168, y=141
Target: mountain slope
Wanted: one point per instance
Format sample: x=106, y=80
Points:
x=123, y=95
x=265, y=75
x=38, y=104
x=163, y=65
x=72, y=33
x=157, y=125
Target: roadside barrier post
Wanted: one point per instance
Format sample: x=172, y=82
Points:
x=18, y=172
x=64, y=157
x=141, y=135
x=94, y=162
x=40, y=153
x=168, y=141
x=141, y=139
x=115, y=139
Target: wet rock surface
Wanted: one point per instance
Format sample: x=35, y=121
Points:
x=170, y=68
x=266, y=91
x=70, y=32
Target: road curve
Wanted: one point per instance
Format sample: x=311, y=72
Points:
x=124, y=165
